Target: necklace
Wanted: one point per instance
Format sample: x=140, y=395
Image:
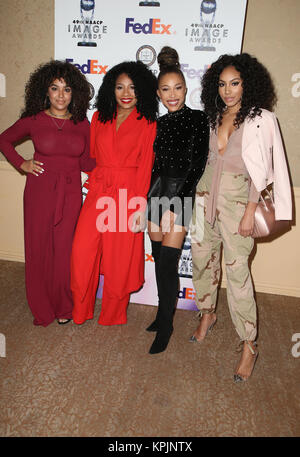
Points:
x=59, y=127
x=59, y=115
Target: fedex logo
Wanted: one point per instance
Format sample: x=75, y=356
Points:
x=187, y=293
x=91, y=67
x=154, y=26
x=193, y=73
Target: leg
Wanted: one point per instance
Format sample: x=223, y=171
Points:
x=206, y=245
x=85, y=263
x=122, y=264
x=113, y=307
x=242, y=306
x=206, y=277
x=247, y=361
x=38, y=231
x=168, y=286
x=156, y=237
x=240, y=293
x=63, y=236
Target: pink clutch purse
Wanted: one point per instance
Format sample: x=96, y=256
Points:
x=265, y=223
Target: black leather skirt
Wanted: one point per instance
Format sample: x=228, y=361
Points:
x=163, y=196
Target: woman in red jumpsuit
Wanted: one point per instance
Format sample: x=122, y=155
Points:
x=109, y=236
x=56, y=100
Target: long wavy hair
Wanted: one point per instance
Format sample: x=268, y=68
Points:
x=145, y=86
x=36, y=89
x=258, y=88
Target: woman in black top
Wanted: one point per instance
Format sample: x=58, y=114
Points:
x=181, y=147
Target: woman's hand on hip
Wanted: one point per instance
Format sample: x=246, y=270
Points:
x=32, y=166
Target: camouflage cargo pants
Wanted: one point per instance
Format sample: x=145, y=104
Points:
x=206, y=246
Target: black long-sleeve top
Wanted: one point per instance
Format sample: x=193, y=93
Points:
x=181, y=149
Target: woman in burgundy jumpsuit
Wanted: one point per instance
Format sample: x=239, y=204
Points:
x=56, y=99
x=109, y=235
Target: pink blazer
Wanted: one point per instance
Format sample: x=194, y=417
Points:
x=263, y=155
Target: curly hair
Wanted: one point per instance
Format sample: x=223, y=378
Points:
x=145, y=86
x=258, y=88
x=36, y=99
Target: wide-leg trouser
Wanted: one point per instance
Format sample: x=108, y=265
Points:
x=48, y=242
x=96, y=252
x=231, y=202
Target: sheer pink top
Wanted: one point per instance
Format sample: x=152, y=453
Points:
x=230, y=161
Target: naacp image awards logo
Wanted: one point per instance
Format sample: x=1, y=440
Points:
x=206, y=34
x=87, y=29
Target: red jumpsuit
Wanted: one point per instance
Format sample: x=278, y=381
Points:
x=124, y=162
x=52, y=203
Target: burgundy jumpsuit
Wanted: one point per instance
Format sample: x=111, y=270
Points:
x=52, y=202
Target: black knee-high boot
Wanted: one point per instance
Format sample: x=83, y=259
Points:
x=156, y=246
x=168, y=291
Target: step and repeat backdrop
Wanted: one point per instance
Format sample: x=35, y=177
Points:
x=95, y=35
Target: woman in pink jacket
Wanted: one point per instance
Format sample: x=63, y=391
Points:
x=245, y=155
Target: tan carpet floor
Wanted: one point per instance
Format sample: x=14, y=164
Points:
x=91, y=380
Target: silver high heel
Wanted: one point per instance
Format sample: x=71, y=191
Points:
x=237, y=377
x=193, y=339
